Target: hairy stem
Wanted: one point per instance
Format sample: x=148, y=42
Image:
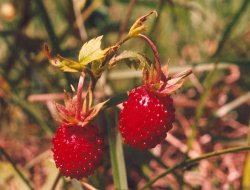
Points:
x=79, y=96
x=156, y=55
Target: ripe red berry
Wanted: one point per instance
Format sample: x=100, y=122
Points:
x=146, y=118
x=77, y=145
x=77, y=150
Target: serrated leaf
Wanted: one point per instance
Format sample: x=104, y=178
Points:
x=91, y=51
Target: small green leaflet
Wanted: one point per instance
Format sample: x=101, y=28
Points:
x=91, y=51
x=66, y=65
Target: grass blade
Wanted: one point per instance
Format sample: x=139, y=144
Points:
x=117, y=156
x=246, y=174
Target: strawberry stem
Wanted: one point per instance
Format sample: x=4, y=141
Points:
x=92, y=76
x=79, y=96
x=156, y=56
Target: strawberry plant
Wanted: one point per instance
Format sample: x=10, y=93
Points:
x=147, y=116
x=130, y=123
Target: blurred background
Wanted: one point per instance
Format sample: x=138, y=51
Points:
x=212, y=109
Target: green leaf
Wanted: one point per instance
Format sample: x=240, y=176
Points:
x=91, y=51
x=66, y=65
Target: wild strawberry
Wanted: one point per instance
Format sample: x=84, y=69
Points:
x=146, y=118
x=77, y=150
x=77, y=145
x=148, y=113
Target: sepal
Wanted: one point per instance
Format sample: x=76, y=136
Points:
x=77, y=109
x=170, y=85
x=93, y=113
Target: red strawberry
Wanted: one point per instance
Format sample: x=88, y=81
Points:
x=77, y=150
x=146, y=118
x=78, y=147
x=148, y=113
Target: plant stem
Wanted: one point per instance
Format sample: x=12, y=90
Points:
x=93, y=78
x=2, y=151
x=113, y=50
x=156, y=56
x=194, y=160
